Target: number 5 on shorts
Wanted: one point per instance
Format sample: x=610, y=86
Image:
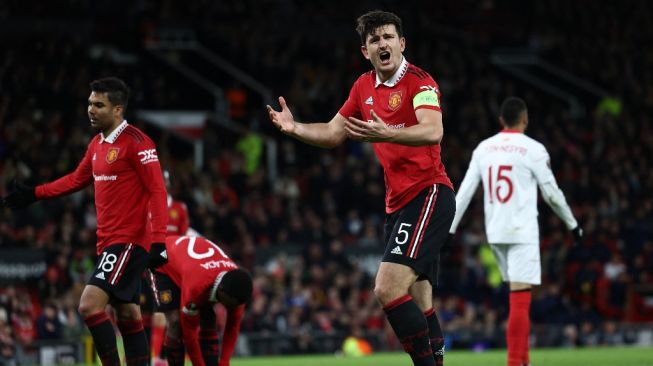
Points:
x=402, y=232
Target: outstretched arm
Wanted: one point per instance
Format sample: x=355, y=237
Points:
x=72, y=182
x=325, y=135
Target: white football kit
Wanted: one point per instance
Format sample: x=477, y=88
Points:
x=512, y=166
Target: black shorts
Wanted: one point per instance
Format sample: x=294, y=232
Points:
x=415, y=234
x=118, y=272
x=167, y=292
x=146, y=299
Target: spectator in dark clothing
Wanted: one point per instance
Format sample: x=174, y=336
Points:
x=48, y=325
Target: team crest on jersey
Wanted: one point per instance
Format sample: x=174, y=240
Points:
x=165, y=297
x=174, y=214
x=395, y=100
x=112, y=154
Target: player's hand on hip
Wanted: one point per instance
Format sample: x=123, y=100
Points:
x=157, y=255
x=20, y=196
x=578, y=235
x=283, y=119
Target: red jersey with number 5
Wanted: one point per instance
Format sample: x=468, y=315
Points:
x=407, y=169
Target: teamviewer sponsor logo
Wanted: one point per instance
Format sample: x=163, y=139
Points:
x=105, y=178
x=148, y=156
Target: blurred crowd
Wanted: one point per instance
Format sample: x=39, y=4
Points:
x=329, y=203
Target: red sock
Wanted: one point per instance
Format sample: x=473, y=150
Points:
x=518, y=328
x=158, y=333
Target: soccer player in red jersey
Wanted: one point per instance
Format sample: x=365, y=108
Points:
x=178, y=221
x=130, y=199
x=197, y=275
x=154, y=321
x=396, y=107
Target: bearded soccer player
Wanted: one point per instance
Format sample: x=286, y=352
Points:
x=122, y=164
x=512, y=166
x=196, y=276
x=396, y=107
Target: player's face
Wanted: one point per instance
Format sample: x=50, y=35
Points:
x=102, y=113
x=384, y=50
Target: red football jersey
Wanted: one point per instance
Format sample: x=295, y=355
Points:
x=178, y=221
x=125, y=170
x=194, y=264
x=407, y=169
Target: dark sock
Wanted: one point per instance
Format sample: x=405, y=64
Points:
x=104, y=338
x=137, y=350
x=435, y=334
x=147, y=327
x=409, y=324
x=210, y=346
x=175, y=351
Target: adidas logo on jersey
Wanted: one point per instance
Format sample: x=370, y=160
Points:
x=100, y=276
x=369, y=101
x=164, y=254
x=397, y=250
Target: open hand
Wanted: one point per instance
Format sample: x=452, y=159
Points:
x=374, y=130
x=283, y=119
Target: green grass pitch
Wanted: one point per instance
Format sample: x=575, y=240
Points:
x=611, y=356
x=599, y=356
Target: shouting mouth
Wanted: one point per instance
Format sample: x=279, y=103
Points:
x=384, y=57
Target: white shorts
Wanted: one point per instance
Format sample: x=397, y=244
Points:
x=518, y=262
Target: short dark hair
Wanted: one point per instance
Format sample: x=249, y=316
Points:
x=237, y=283
x=116, y=89
x=369, y=22
x=511, y=110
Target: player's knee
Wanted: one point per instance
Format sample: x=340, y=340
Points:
x=385, y=293
x=88, y=308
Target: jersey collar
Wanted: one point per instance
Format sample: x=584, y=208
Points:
x=394, y=79
x=114, y=135
x=510, y=130
x=213, y=295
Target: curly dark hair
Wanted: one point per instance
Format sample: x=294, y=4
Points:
x=369, y=22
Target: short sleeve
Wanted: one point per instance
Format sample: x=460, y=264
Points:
x=426, y=94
